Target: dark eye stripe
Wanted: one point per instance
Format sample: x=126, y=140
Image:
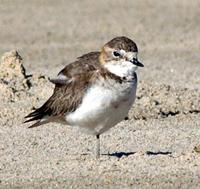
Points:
x=115, y=53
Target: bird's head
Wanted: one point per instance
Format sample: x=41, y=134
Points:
x=119, y=56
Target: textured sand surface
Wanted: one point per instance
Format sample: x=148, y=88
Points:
x=154, y=148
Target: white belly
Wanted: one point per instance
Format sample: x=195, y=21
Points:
x=103, y=107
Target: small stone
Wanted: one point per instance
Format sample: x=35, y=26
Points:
x=197, y=149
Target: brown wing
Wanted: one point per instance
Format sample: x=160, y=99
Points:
x=70, y=86
x=65, y=98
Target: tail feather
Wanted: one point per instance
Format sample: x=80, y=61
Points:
x=35, y=113
x=38, y=115
x=38, y=123
x=42, y=111
x=32, y=119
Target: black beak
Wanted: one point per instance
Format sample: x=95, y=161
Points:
x=136, y=62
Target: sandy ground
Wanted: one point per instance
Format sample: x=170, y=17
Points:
x=154, y=148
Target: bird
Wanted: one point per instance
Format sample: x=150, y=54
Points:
x=95, y=92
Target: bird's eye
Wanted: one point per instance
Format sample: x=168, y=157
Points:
x=116, y=54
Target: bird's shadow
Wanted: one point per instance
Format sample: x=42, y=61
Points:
x=150, y=153
x=126, y=154
x=119, y=154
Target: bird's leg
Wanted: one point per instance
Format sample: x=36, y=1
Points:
x=98, y=146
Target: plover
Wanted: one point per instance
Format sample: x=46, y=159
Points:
x=95, y=92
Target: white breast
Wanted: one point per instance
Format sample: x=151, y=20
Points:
x=103, y=106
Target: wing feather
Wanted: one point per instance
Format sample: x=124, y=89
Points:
x=65, y=98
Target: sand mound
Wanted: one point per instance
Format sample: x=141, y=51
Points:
x=12, y=75
x=18, y=91
x=163, y=100
x=11, y=65
x=14, y=81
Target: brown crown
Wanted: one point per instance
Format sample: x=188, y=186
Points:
x=122, y=43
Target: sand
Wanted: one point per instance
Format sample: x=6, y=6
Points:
x=158, y=147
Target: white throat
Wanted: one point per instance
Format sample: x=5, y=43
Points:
x=122, y=69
